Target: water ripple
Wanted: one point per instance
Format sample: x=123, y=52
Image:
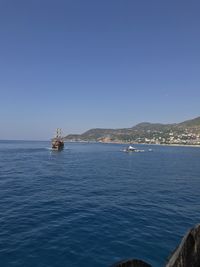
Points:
x=92, y=205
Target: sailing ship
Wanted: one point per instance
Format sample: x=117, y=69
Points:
x=57, y=142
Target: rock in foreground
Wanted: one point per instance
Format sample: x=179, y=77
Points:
x=131, y=263
x=186, y=255
x=188, y=252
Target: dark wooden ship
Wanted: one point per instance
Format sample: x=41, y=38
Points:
x=57, y=142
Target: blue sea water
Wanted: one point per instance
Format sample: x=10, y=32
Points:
x=92, y=205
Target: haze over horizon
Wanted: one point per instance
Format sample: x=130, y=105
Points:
x=79, y=65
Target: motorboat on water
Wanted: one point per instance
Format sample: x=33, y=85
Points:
x=132, y=149
x=57, y=142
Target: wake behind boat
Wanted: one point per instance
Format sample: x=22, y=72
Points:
x=132, y=149
x=57, y=142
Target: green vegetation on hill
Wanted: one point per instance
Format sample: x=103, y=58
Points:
x=187, y=132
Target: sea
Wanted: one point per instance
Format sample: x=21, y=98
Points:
x=92, y=204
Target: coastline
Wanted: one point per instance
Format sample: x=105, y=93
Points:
x=128, y=143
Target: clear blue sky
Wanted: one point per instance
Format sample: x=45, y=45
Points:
x=80, y=64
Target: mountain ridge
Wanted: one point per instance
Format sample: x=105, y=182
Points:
x=143, y=132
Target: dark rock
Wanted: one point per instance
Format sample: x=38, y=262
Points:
x=131, y=263
x=186, y=255
x=188, y=252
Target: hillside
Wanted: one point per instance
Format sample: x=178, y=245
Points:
x=186, y=132
x=191, y=123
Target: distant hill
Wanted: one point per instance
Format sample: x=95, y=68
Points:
x=191, y=123
x=141, y=133
x=151, y=126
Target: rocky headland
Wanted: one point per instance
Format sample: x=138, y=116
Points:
x=184, y=133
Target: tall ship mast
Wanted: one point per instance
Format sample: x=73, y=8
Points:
x=57, y=142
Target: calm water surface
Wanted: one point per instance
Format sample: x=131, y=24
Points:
x=92, y=205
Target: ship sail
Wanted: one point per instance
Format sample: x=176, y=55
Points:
x=57, y=141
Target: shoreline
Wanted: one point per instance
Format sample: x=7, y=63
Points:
x=128, y=143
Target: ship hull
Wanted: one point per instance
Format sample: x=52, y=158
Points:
x=57, y=145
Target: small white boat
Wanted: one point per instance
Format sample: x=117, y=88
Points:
x=132, y=149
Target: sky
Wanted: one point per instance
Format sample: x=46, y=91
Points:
x=78, y=65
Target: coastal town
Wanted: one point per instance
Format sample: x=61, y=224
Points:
x=159, y=138
x=186, y=138
x=185, y=133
